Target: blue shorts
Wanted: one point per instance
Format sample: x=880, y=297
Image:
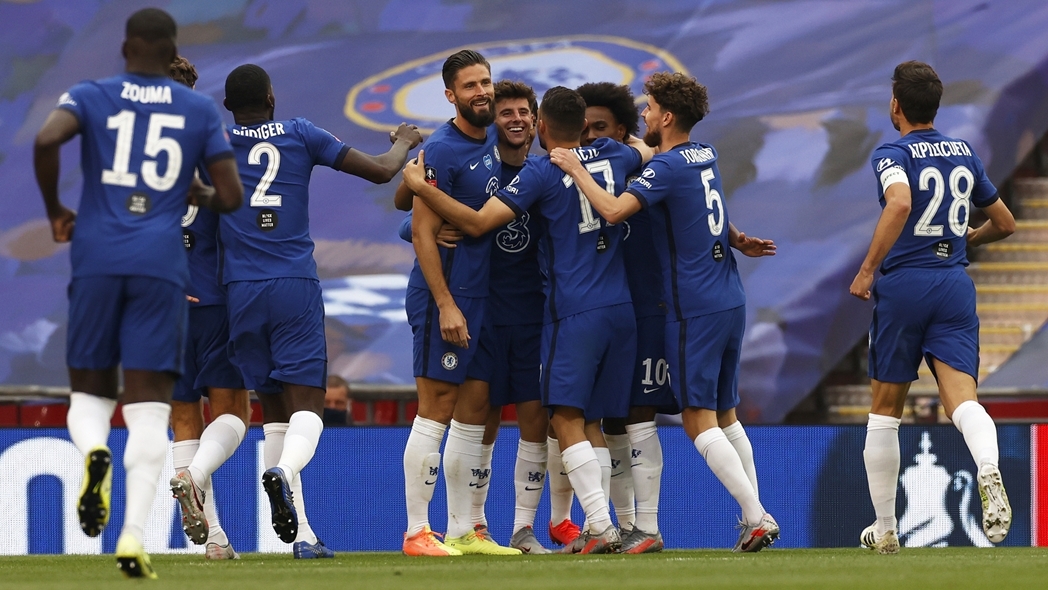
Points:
x=432, y=357
x=651, y=377
x=207, y=355
x=704, y=358
x=923, y=313
x=508, y=360
x=133, y=321
x=588, y=361
x=276, y=333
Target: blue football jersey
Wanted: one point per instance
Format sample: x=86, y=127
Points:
x=682, y=190
x=141, y=139
x=468, y=170
x=643, y=271
x=200, y=237
x=580, y=253
x=946, y=178
x=516, y=283
x=268, y=237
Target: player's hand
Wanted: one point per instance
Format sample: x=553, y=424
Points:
x=860, y=287
x=453, y=326
x=62, y=224
x=200, y=194
x=448, y=235
x=192, y=299
x=567, y=160
x=415, y=172
x=408, y=133
x=754, y=247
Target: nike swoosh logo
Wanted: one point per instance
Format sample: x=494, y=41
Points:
x=617, y=474
x=562, y=473
x=527, y=489
x=473, y=485
x=646, y=390
x=635, y=464
x=429, y=483
x=474, y=165
x=525, y=549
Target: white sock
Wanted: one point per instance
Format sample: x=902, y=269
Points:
x=182, y=453
x=463, y=457
x=88, y=420
x=621, y=490
x=529, y=473
x=480, y=492
x=217, y=444
x=724, y=462
x=215, y=534
x=881, y=456
x=421, y=469
x=560, y=490
x=604, y=460
x=300, y=442
x=736, y=435
x=980, y=433
x=144, y=457
x=298, y=498
x=647, y=473
x=580, y=461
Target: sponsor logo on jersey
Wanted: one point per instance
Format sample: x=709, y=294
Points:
x=884, y=163
x=648, y=173
x=66, y=99
x=487, y=161
x=407, y=92
x=449, y=361
x=516, y=236
x=431, y=176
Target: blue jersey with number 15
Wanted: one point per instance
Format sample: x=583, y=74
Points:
x=945, y=178
x=141, y=139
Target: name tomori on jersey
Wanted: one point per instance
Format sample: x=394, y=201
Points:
x=262, y=132
x=146, y=94
x=942, y=149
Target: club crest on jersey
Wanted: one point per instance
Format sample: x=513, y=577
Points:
x=487, y=161
x=407, y=92
x=498, y=156
x=449, y=361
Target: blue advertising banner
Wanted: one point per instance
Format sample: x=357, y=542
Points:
x=811, y=479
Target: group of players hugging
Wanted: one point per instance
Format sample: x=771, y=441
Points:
x=592, y=287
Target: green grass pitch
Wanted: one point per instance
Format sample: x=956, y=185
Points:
x=923, y=569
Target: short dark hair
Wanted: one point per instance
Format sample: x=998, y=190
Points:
x=617, y=98
x=183, y=71
x=680, y=95
x=151, y=25
x=458, y=61
x=507, y=89
x=918, y=90
x=247, y=86
x=564, y=112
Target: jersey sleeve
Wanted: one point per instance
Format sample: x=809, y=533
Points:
x=440, y=167
x=984, y=193
x=73, y=100
x=889, y=166
x=217, y=146
x=405, y=228
x=325, y=148
x=523, y=191
x=654, y=183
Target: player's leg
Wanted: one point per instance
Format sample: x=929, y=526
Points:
x=595, y=436
x=881, y=458
x=561, y=495
x=529, y=474
x=487, y=449
x=464, y=469
x=646, y=467
x=187, y=422
x=583, y=469
x=436, y=404
x=620, y=476
x=231, y=412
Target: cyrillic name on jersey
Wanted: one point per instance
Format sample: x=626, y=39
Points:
x=261, y=132
x=942, y=149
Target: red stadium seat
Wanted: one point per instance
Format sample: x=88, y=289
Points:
x=410, y=410
x=8, y=415
x=385, y=413
x=360, y=412
x=43, y=415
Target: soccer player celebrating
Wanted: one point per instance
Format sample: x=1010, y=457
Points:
x=197, y=452
x=142, y=135
x=924, y=304
x=635, y=454
x=276, y=313
x=701, y=282
x=588, y=340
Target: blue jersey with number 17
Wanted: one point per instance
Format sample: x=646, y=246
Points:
x=141, y=139
x=268, y=238
x=580, y=254
x=945, y=178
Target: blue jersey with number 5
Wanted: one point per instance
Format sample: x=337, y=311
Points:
x=268, y=238
x=945, y=178
x=682, y=189
x=580, y=253
x=141, y=139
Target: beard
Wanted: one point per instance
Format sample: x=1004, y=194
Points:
x=473, y=117
x=652, y=138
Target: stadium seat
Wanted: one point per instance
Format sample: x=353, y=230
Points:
x=43, y=415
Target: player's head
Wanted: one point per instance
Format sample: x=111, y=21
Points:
x=562, y=116
x=676, y=102
x=150, y=36
x=515, y=112
x=183, y=71
x=916, y=92
x=467, y=84
x=610, y=111
x=248, y=89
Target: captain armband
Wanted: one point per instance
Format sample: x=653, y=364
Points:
x=893, y=175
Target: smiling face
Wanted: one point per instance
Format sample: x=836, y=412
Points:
x=601, y=122
x=515, y=121
x=473, y=95
x=654, y=119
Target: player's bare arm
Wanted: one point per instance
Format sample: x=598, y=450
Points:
x=60, y=127
x=893, y=218
x=424, y=227
x=381, y=169
x=475, y=223
x=749, y=245
x=403, y=197
x=646, y=151
x=448, y=235
x=611, y=208
x=1000, y=225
